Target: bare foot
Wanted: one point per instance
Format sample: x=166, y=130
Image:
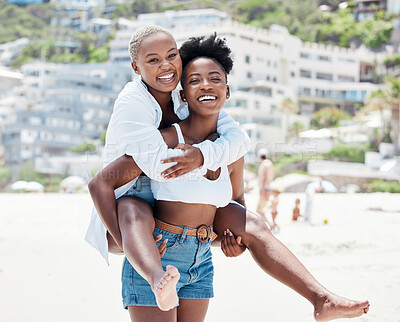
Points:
x=335, y=307
x=165, y=290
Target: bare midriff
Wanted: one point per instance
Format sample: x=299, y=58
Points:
x=184, y=214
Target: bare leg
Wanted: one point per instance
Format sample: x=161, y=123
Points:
x=136, y=222
x=192, y=310
x=151, y=314
x=280, y=263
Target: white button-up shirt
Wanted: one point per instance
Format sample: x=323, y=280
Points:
x=133, y=130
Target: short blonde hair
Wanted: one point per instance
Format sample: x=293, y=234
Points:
x=141, y=34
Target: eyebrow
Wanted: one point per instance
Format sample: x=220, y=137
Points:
x=210, y=73
x=152, y=54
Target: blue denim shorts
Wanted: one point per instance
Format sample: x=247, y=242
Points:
x=193, y=260
x=141, y=189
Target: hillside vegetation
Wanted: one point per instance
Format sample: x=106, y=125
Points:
x=302, y=18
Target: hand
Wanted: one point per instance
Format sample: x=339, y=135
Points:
x=190, y=160
x=163, y=246
x=230, y=246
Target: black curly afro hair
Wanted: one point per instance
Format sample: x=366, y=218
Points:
x=211, y=47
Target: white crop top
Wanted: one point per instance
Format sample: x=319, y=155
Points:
x=193, y=187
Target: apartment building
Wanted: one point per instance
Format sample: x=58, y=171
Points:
x=65, y=105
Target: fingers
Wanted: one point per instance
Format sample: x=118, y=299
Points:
x=157, y=238
x=190, y=160
x=230, y=245
x=174, y=171
x=162, y=247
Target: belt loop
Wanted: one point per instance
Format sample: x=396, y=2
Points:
x=139, y=184
x=183, y=236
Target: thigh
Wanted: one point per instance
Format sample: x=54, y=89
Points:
x=190, y=310
x=151, y=314
x=130, y=209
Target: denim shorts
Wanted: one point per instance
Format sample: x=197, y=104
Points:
x=193, y=260
x=141, y=189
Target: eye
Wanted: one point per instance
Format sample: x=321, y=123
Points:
x=193, y=81
x=172, y=55
x=153, y=60
x=216, y=79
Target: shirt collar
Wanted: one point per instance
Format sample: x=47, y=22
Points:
x=181, y=108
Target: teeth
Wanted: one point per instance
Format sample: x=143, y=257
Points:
x=207, y=98
x=166, y=76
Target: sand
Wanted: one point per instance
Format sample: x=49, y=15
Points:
x=48, y=273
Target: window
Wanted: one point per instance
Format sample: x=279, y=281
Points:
x=305, y=73
x=305, y=91
x=249, y=75
x=257, y=105
x=324, y=58
x=325, y=76
x=344, y=78
x=247, y=59
x=305, y=55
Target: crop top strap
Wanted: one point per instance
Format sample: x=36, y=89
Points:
x=179, y=133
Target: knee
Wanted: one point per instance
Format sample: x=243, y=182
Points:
x=134, y=211
x=256, y=227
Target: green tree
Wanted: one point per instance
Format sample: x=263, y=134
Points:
x=328, y=117
x=392, y=96
x=377, y=101
x=84, y=147
x=5, y=175
x=295, y=129
x=29, y=173
x=288, y=107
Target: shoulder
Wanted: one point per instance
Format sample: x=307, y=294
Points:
x=170, y=136
x=238, y=165
x=133, y=90
x=133, y=98
x=267, y=163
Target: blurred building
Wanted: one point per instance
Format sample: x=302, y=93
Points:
x=59, y=107
x=11, y=50
x=366, y=9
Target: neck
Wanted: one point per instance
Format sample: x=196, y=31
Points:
x=163, y=98
x=197, y=128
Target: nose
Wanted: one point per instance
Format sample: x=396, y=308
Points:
x=165, y=64
x=205, y=84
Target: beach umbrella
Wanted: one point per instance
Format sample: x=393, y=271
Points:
x=327, y=186
x=72, y=182
x=293, y=182
x=19, y=185
x=34, y=186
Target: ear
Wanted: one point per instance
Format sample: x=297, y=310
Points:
x=135, y=68
x=228, y=92
x=183, y=97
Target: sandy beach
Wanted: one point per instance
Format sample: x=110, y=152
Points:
x=49, y=274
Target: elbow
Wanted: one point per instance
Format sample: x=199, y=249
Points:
x=92, y=186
